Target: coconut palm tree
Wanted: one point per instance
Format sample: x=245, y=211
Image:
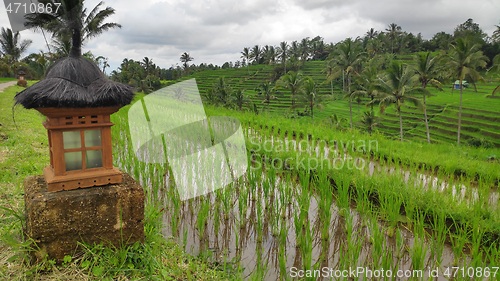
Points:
x=255, y=54
x=246, y=55
x=371, y=33
x=310, y=97
x=292, y=81
x=496, y=34
x=348, y=56
x=295, y=50
x=398, y=89
x=368, y=121
x=393, y=31
x=304, y=49
x=239, y=98
x=365, y=83
x=282, y=53
x=185, y=59
x=72, y=20
x=268, y=91
x=222, y=91
x=427, y=69
x=61, y=44
x=11, y=45
x=496, y=65
x=462, y=61
x=329, y=70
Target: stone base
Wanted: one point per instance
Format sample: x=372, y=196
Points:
x=56, y=221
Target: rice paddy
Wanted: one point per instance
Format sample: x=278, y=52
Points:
x=316, y=204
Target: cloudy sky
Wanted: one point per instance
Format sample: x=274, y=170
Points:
x=216, y=31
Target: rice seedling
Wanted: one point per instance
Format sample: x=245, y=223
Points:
x=203, y=215
x=458, y=240
x=259, y=223
x=391, y=206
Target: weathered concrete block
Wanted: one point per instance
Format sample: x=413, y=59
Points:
x=56, y=221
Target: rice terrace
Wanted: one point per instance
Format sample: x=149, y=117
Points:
x=371, y=158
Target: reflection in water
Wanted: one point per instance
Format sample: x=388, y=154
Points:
x=272, y=224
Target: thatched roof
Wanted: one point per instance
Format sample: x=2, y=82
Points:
x=75, y=82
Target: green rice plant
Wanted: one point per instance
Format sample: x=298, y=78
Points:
x=304, y=196
x=391, y=206
x=203, y=215
x=458, y=240
x=343, y=196
x=227, y=200
x=242, y=206
x=377, y=240
x=175, y=213
x=438, y=238
x=354, y=241
x=259, y=224
x=418, y=252
x=306, y=247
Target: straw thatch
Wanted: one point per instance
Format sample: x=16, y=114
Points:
x=75, y=82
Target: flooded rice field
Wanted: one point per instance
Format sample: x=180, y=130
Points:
x=276, y=223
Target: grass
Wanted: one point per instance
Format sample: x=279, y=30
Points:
x=24, y=152
x=7, y=79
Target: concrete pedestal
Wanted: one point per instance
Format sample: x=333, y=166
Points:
x=56, y=221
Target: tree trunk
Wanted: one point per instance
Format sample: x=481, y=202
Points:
x=349, y=91
x=331, y=86
x=372, y=102
x=312, y=114
x=350, y=110
x=426, y=121
x=459, y=115
x=284, y=66
x=293, y=104
x=400, y=124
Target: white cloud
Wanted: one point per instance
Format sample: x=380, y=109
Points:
x=215, y=31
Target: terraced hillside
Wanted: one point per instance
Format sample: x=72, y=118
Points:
x=480, y=114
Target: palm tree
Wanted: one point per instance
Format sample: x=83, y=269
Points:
x=368, y=121
x=255, y=54
x=365, y=83
x=73, y=21
x=398, y=89
x=185, y=58
x=11, y=44
x=246, y=55
x=304, y=49
x=239, y=98
x=295, y=49
x=61, y=44
x=393, y=31
x=496, y=34
x=371, y=34
x=463, y=60
x=496, y=64
x=268, y=91
x=293, y=82
x=282, y=53
x=348, y=56
x=310, y=97
x=427, y=70
x=329, y=70
x=222, y=91
x=335, y=121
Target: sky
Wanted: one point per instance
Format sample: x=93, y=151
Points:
x=216, y=31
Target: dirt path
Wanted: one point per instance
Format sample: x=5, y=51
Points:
x=5, y=85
